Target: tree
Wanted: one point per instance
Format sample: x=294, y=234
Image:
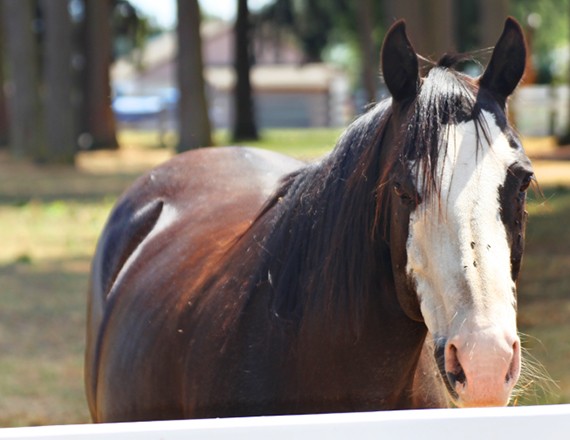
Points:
x=493, y=14
x=59, y=117
x=194, y=122
x=309, y=21
x=244, y=116
x=564, y=138
x=98, y=123
x=429, y=24
x=318, y=24
x=3, y=113
x=26, y=126
x=368, y=64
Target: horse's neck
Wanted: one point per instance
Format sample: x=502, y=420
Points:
x=375, y=369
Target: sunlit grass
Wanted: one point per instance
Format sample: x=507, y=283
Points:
x=300, y=143
x=303, y=144
x=544, y=303
x=46, y=230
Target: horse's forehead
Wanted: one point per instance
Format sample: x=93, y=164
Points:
x=475, y=151
x=473, y=141
x=468, y=239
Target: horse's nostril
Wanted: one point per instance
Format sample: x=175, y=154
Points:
x=455, y=378
x=455, y=373
x=514, y=366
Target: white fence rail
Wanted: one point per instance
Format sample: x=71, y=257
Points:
x=521, y=423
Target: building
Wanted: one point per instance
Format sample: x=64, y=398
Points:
x=287, y=92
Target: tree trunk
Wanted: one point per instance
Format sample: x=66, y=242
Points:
x=24, y=101
x=493, y=15
x=564, y=139
x=4, y=129
x=194, y=122
x=59, y=115
x=369, y=63
x=244, y=116
x=430, y=24
x=99, y=122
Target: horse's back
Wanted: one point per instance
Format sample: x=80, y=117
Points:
x=177, y=220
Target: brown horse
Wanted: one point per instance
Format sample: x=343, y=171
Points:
x=235, y=282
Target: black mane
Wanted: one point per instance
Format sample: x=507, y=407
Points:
x=320, y=247
x=325, y=215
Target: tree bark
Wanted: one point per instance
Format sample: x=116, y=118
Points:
x=244, y=114
x=4, y=128
x=194, y=122
x=24, y=106
x=430, y=24
x=369, y=64
x=564, y=139
x=59, y=115
x=493, y=15
x=99, y=121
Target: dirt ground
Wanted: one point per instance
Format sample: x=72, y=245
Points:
x=551, y=162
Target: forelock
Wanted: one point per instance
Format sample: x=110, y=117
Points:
x=446, y=98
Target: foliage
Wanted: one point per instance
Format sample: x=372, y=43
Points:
x=321, y=26
x=326, y=30
x=131, y=31
x=548, y=25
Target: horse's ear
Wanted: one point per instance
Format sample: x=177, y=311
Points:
x=506, y=68
x=400, y=63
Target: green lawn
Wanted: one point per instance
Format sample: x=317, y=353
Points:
x=49, y=223
x=304, y=144
x=544, y=300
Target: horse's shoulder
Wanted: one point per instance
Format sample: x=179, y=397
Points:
x=210, y=189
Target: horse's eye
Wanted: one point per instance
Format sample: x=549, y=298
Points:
x=402, y=194
x=526, y=182
x=398, y=190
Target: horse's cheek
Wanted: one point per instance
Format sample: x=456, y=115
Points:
x=405, y=291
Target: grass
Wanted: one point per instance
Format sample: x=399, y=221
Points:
x=50, y=219
x=304, y=144
x=44, y=262
x=544, y=304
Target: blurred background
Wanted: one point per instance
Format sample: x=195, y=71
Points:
x=95, y=92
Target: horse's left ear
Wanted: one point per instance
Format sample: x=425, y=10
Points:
x=506, y=68
x=399, y=63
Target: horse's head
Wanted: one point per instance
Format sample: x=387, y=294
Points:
x=458, y=181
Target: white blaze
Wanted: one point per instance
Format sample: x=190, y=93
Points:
x=458, y=253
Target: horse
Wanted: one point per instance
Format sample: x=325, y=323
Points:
x=233, y=281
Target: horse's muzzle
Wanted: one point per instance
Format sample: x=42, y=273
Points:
x=479, y=368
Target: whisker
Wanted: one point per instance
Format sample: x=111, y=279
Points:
x=535, y=384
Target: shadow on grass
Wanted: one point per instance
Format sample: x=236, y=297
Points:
x=42, y=328
x=74, y=186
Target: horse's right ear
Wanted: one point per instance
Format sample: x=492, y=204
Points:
x=400, y=63
x=507, y=64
